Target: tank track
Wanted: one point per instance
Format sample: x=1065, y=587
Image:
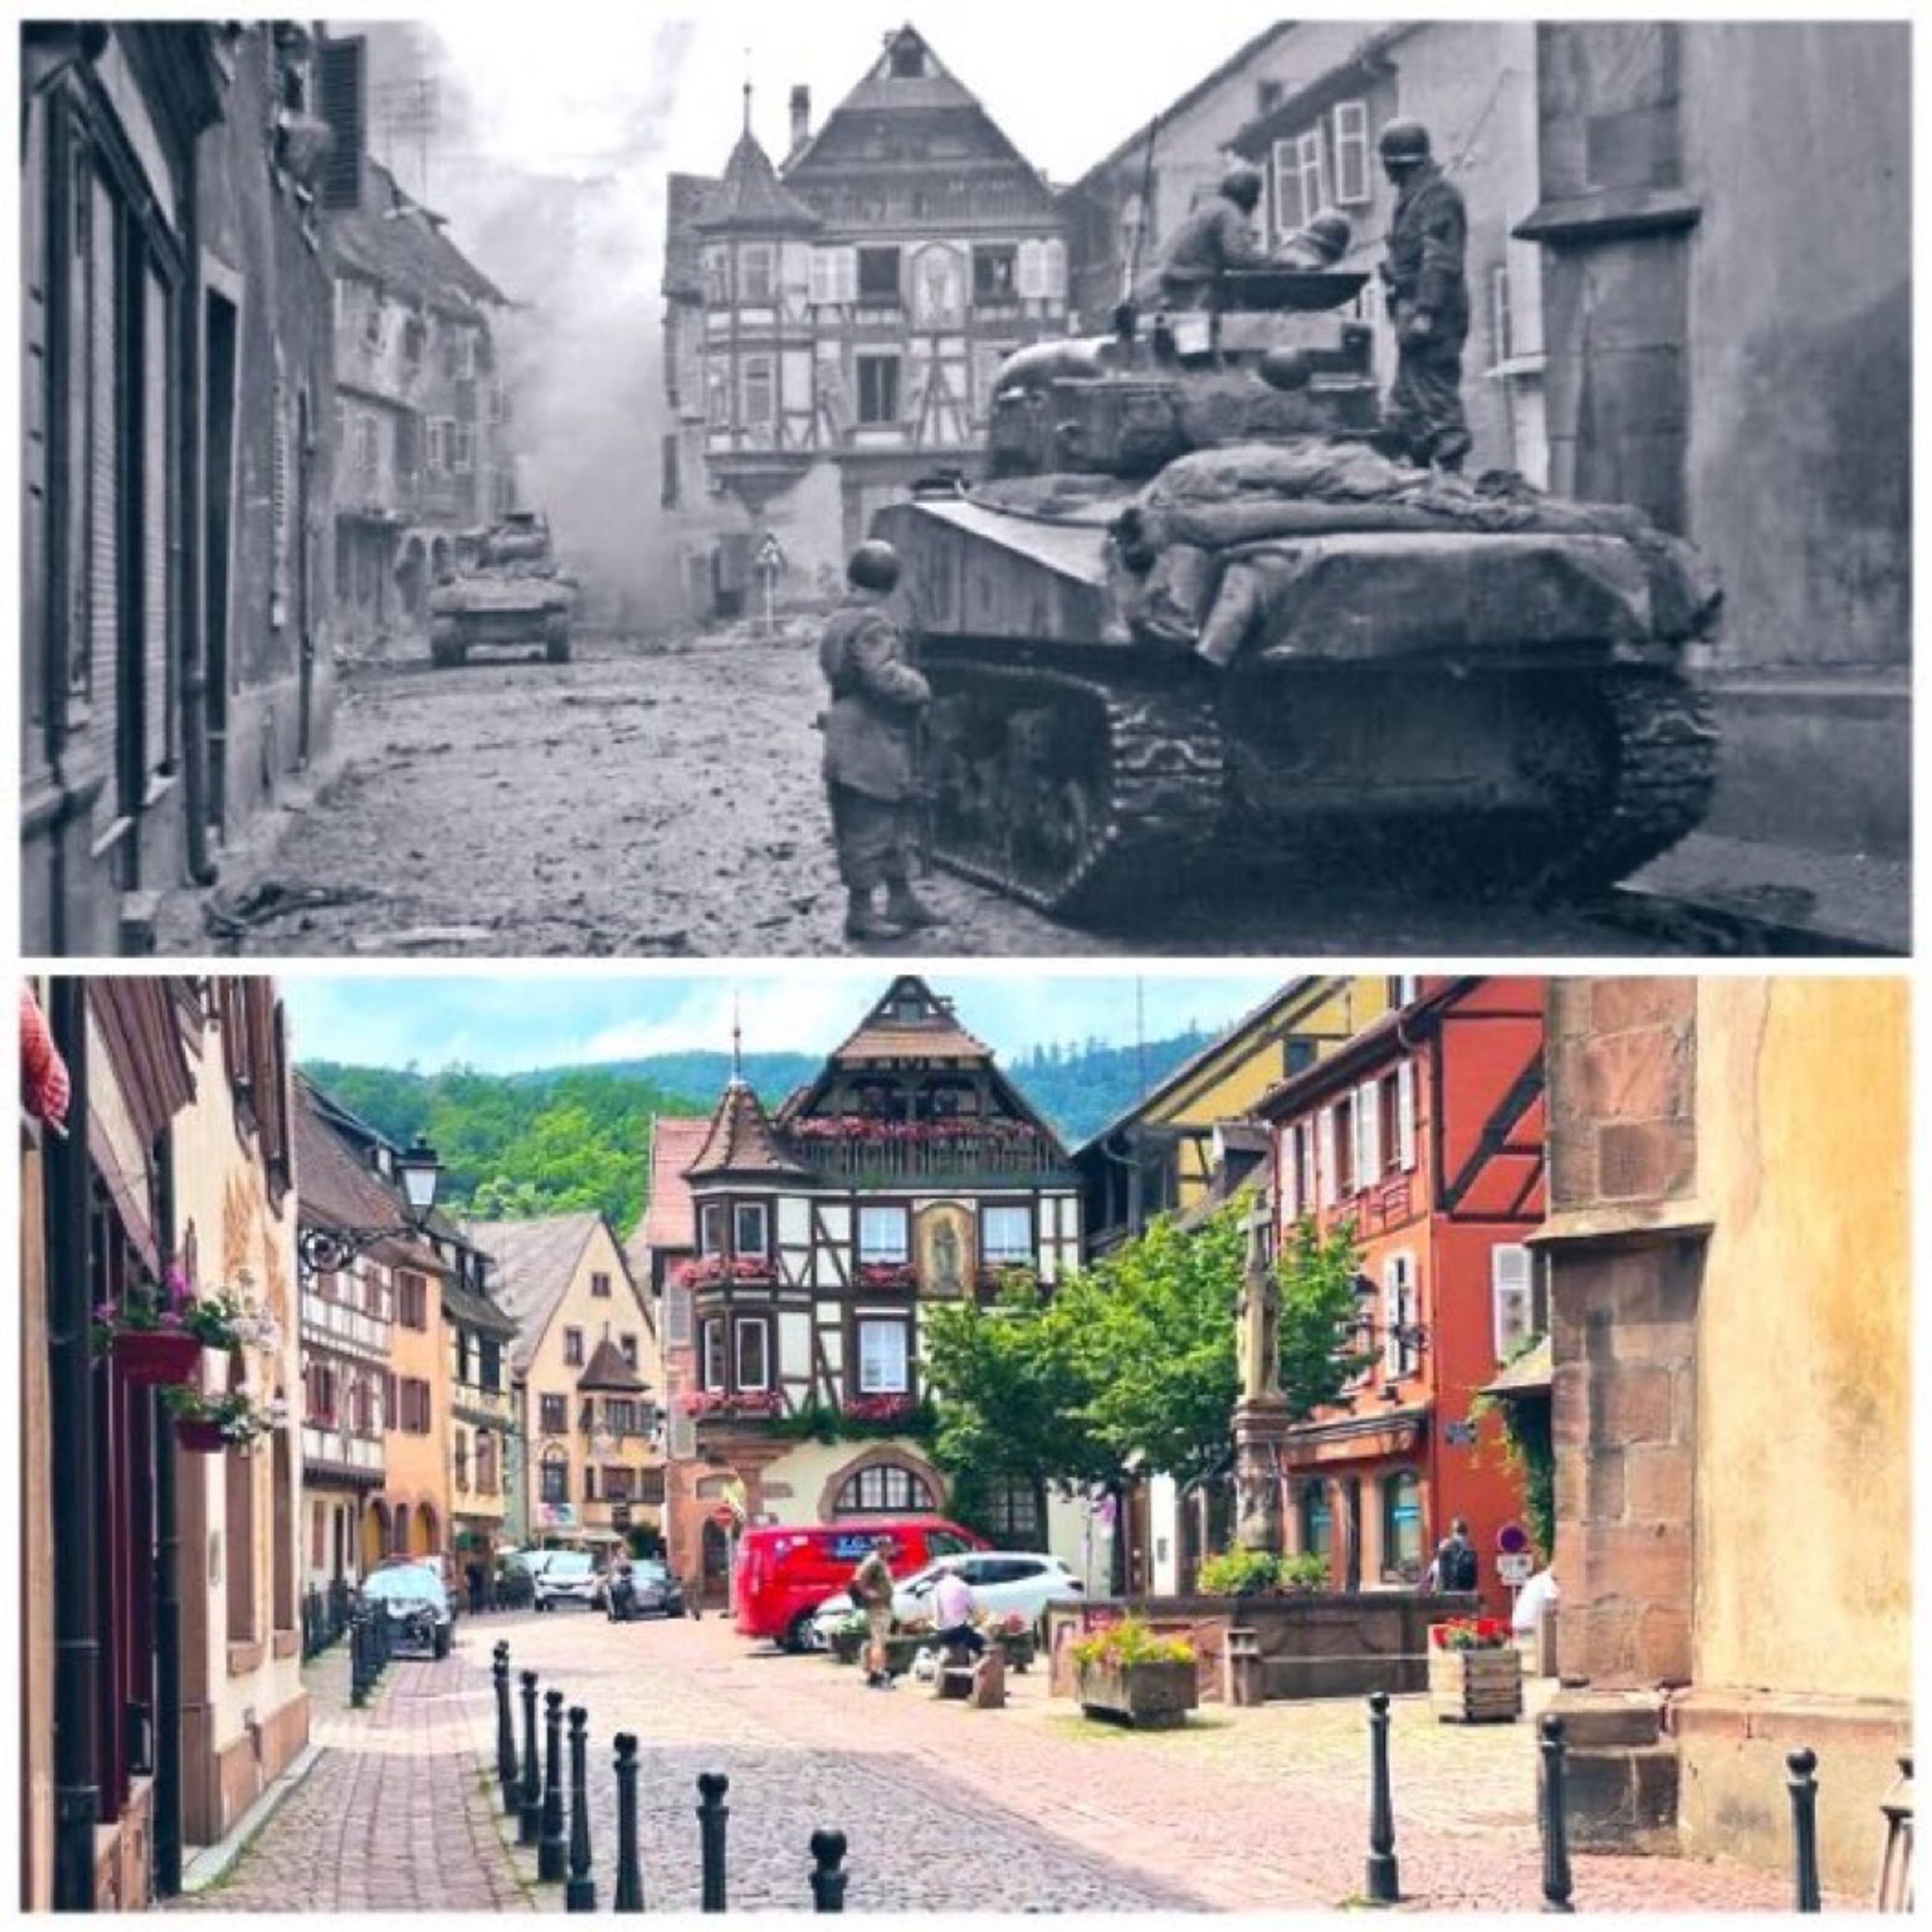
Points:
x=1667, y=765
x=1164, y=793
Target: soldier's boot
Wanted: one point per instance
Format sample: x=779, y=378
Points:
x=864, y=924
x=906, y=908
x=1450, y=450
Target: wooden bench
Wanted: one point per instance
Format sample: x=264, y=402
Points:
x=980, y=1683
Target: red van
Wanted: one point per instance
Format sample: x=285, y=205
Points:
x=787, y=1571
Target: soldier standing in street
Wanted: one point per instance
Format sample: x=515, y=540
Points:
x=1428, y=302
x=869, y=734
x=1215, y=237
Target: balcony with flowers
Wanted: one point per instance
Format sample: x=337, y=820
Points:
x=727, y=1271
x=868, y=1147
x=730, y=1405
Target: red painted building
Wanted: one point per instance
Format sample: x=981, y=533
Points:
x=1426, y=1133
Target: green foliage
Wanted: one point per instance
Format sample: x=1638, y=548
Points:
x=819, y=1421
x=1305, y=1574
x=1239, y=1572
x=1318, y=1308
x=1529, y=1449
x=1128, y=1642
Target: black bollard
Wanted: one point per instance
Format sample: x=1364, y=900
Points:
x=828, y=1879
x=581, y=1893
x=1802, y=1765
x=712, y=1812
x=506, y=1730
x=529, y=1810
x=550, y=1860
x=630, y=1895
x=1384, y=1884
x=1556, y=1818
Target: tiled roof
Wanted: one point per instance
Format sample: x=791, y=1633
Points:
x=934, y=1033
x=740, y=1139
x=535, y=1262
x=669, y=1221
x=402, y=246
x=751, y=199
x=686, y=199
x=607, y=1373
x=479, y=1313
x=335, y=1189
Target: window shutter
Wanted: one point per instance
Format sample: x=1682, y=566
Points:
x=1289, y=1182
x=1404, y=1106
x=1511, y=1289
x=155, y=586
x=824, y=275
x=1329, y=1170
x=846, y=279
x=1286, y=190
x=1352, y=185
x=1031, y=271
x=1054, y=260
x=1393, y=1316
x=1368, y=1134
x=341, y=95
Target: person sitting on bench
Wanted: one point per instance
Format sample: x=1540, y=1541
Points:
x=952, y=1613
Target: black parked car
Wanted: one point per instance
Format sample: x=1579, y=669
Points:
x=421, y=1622
x=652, y=1591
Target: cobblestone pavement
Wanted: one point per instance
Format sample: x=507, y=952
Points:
x=394, y=1816
x=663, y=799
x=1034, y=1808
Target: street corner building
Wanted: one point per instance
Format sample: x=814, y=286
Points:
x=795, y=1251
x=162, y=1689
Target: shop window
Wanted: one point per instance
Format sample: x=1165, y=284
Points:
x=1318, y=1519
x=1401, y=1527
x=886, y=1487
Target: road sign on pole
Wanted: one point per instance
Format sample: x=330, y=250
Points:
x=1516, y=1567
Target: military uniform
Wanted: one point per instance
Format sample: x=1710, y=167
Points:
x=869, y=731
x=1423, y=273
x=1216, y=235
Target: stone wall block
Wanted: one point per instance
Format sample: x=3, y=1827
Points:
x=1659, y=1484
x=1644, y=1075
x=1616, y=1004
x=1641, y=1564
x=1647, y=1161
x=1637, y=1407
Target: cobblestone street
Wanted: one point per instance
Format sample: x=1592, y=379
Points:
x=663, y=800
x=945, y=1808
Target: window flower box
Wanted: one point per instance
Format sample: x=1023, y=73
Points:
x=888, y=1275
x=714, y=1270
x=1475, y=1672
x=725, y=1403
x=209, y=1424
x=157, y=1358
x=880, y=1408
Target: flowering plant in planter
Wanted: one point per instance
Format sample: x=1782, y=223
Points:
x=723, y=1402
x=1127, y=1642
x=880, y=1408
x=1470, y=1634
x=156, y=1331
x=1001, y=1623
x=709, y=1271
x=887, y=1274
x=236, y=1418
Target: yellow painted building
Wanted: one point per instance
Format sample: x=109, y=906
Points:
x=413, y=1510
x=592, y=1465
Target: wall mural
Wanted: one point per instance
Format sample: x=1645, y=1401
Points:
x=939, y=286
x=947, y=1262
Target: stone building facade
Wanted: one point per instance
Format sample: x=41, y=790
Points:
x=1730, y=1314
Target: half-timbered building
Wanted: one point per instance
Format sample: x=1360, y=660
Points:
x=839, y=320
x=910, y=1171
x=1424, y=1134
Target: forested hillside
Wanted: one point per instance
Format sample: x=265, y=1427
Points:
x=560, y=1139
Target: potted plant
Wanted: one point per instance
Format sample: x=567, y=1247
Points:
x=156, y=1334
x=848, y=1639
x=1126, y=1673
x=1476, y=1671
x=1013, y=1634
x=209, y=1424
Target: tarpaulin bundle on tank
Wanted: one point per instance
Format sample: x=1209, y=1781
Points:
x=1228, y=542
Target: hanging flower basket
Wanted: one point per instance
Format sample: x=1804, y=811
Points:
x=157, y=1358
x=209, y=1423
x=201, y=1437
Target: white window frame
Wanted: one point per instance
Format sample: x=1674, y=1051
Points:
x=996, y=1254
x=743, y=1326
x=1285, y=180
x=1310, y=161
x=764, y=254
x=762, y=1248
x=711, y=1225
x=1329, y=1173
x=875, y=1375
x=1512, y=1288
x=1405, y=1102
x=1354, y=179
x=1397, y=1314
x=711, y=1354
x=877, y=1248
x=1368, y=1133
x=758, y=371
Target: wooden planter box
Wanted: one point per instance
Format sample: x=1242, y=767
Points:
x=1019, y=1651
x=1150, y=1697
x=1475, y=1687
x=845, y=1649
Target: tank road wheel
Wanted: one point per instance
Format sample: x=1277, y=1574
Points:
x=557, y=643
x=445, y=647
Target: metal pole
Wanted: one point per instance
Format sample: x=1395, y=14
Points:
x=712, y=1812
x=359, y=1654
x=828, y=1879
x=506, y=1729
x=1802, y=1765
x=529, y=1813
x=551, y=1859
x=1556, y=1818
x=70, y=1421
x=630, y=1894
x=1384, y=1885
x=581, y=1893
x=167, y=1592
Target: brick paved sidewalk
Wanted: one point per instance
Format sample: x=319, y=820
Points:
x=393, y=1816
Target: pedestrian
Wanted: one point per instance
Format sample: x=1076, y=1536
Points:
x=473, y=1572
x=1454, y=1567
x=870, y=735
x=1214, y=237
x=872, y=1589
x=1533, y=1602
x=1427, y=294
x=952, y=1608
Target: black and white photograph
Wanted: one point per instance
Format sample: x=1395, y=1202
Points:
x=793, y=481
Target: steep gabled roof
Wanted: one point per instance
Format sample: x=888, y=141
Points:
x=910, y=1022
x=669, y=1221
x=607, y=1373
x=740, y=1140
x=687, y=197
x=396, y=242
x=751, y=199
x=335, y=1187
x=535, y=1262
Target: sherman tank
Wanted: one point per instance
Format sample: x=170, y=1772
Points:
x=510, y=594
x=1196, y=608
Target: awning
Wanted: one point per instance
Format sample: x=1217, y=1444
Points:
x=1357, y=1438
x=1530, y=1373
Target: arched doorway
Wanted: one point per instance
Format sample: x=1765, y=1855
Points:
x=375, y=1536
x=426, y=1544
x=716, y=1572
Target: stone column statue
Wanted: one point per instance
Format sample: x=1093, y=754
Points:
x=1261, y=1415
x=1258, y=1340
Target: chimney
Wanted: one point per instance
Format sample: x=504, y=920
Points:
x=800, y=117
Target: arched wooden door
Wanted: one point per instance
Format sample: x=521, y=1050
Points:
x=716, y=1565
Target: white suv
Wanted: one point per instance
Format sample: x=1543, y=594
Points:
x=1008, y=1583
x=567, y=1577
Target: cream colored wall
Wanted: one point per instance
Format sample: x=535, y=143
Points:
x=220, y=1194
x=1804, y=1530
x=549, y=1374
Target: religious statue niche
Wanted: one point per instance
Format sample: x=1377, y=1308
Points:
x=946, y=1264
x=939, y=286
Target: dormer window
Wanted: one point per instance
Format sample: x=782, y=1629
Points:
x=908, y=58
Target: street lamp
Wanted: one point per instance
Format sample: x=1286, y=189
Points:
x=320, y=1251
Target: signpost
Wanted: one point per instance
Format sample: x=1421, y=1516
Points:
x=1514, y=1568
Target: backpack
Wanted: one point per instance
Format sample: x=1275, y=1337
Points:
x=1462, y=1571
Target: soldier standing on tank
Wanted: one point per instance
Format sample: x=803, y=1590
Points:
x=1215, y=237
x=1428, y=302
x=870, y=732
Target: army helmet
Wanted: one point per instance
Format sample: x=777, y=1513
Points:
x=1243, y=185
x=873, y=566
x=1403, y=144
x=1331, y=231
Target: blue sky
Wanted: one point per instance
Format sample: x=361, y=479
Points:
x=510, y=1021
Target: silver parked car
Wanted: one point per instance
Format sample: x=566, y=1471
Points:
x=421, y=1620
